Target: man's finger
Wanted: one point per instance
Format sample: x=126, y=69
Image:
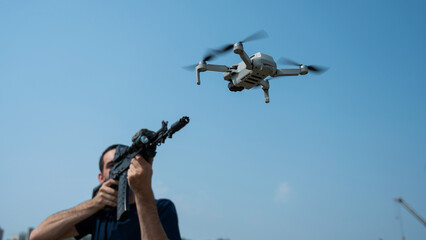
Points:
x=110, y=203
x=109, y=197
x=111, y=182
x=137, y=162
x=109, y=190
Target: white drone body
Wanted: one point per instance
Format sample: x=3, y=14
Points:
x=251, y=72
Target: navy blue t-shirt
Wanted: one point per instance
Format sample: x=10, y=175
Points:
x=103, y=224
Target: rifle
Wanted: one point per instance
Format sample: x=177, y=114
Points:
x=145, y=143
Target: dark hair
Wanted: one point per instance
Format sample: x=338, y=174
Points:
x=101, y=159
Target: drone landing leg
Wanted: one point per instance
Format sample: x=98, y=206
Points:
x=266, y=92
x=265, y=88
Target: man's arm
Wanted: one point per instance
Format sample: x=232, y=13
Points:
x=62, y=224
x=139, y=177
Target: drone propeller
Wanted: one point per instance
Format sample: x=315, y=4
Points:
x=190, y=67
x=256, y=36
x=313, y=69
x=206, y=58
x=286, y=61
x=215, y=52
x=210, y=55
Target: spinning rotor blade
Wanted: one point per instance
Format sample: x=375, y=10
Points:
x=190, y=67
x=209, y=55
x=228, y=47
x=206, y=58
x=286, y=61
x=256, y=36
x=213, y=53
x=224, y=48
x=317, y=69
x=312, y=68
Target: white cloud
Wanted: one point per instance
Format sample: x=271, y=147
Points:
x=281, y=194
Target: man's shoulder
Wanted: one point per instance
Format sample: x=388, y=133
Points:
x=168, y=217
x=165, y=207
x=164, y=203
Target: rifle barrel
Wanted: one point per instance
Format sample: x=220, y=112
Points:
x=178, y=125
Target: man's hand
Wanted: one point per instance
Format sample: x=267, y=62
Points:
x=62, y=224
x=139, y=176
x=107, y=195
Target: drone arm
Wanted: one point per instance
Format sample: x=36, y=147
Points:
x=246, y=60
x=216, y=68
x=239, y=49
x=286, y=72
x=202, y=67
x=291, y=72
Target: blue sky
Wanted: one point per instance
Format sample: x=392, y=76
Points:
x=323, y=160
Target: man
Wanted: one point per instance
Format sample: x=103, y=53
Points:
x=149, y=218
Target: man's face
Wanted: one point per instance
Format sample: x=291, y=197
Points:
x=108, y=164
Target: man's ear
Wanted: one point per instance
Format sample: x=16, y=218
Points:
x=100, y=178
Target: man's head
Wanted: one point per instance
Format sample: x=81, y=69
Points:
x=106, y=162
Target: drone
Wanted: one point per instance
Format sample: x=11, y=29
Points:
x=253, y=70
